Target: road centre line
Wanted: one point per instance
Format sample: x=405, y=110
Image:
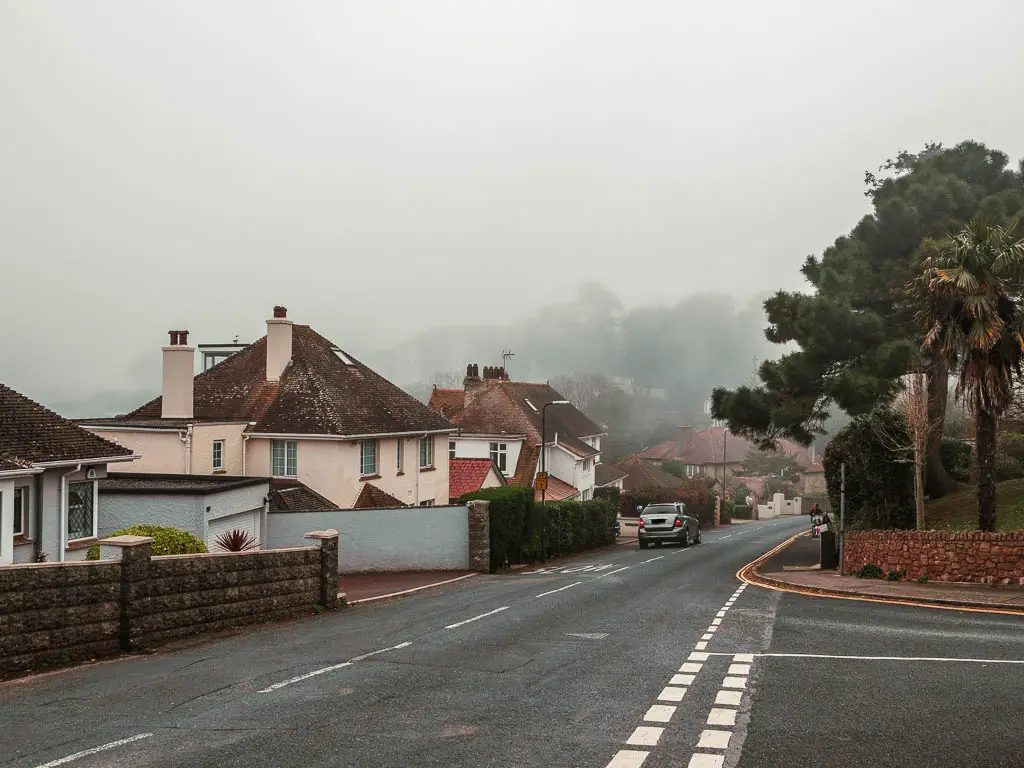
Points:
x=612, y=573
x=628, y=758
x=477, y=618
x=659, y=557
x=331, y=668
x=560, y=589
x=751, y=656
x=95, y=750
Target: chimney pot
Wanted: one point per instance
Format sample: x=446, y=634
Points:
x=174, y=338
x=280, y=312
x=183, y=337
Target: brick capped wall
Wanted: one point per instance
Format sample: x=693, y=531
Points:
x=55, y=613
x=970, y=556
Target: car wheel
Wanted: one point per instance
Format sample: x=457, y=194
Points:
x=685, y=541
x=697, y=540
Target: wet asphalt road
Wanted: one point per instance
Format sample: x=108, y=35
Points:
x=558, y=668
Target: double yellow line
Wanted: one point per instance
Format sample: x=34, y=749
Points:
x=748, y=575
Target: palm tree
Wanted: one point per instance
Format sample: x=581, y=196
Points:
x=970, y=290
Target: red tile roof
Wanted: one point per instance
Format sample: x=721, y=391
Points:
x=293, y=496
x=372, y=497
x=557, y=490
x=32, y=434
x=319, y=393
x=468, y=475
x=643, y=474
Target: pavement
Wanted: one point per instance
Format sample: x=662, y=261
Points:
x=621, y=659
x=795, y=567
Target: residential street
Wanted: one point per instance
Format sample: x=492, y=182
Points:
x=557, y=669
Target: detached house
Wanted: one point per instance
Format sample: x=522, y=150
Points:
x=715, y=452
x=291, y=406
x=49, y=469
x=501, y=420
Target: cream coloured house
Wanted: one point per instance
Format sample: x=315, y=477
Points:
x=291, y=405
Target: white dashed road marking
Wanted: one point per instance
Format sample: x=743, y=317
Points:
x=645, y=736
x=659, y=557
x=331, y=668
x=729, y=698
x=721, y=716
x=477, y=618
x=701, y=760
x=681, y=680
x=659, y=713
x=628, y=758
x=671, y=694
x=560, y=589
x=714, y=740
x=94, y=750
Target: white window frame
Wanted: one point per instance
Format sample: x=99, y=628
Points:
x=451, y=450
x=21, y=515
x=67, y=510
x=427, y=503
x=426, y=451
x=364, y=451
x=285, y=445
x=499, y=455
x=400, y=457
x=217, y=456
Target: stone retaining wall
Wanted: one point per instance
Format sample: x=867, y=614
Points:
x=56, y=613
x=970, y=556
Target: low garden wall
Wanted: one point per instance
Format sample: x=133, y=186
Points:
x=969, y=556
x=128, y=600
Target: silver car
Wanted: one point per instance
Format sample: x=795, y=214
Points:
x=667, y=523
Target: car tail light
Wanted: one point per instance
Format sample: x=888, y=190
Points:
x=678, y=523
x=640, y=523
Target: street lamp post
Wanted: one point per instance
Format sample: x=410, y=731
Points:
x=544, y=471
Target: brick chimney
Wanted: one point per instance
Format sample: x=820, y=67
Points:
x=279, y=343
x=179, y=367
x=684, y=440
x=473, y=384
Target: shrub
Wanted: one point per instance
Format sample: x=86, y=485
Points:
x=895, y=575
x=957, y=458
x=1010, y=443
x=574, y=526
x=879, y=489
x=1007, y=467
x=166, y=541
x=236, y=541
x=740, y=494
x=868, y=571
x=514, y=523
x=742, y=512
x=610, y=494
x=727, y=512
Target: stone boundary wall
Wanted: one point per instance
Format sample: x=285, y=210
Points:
x=56, y=613
x=970, y=556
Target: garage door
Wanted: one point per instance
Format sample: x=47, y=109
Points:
x=243, y=521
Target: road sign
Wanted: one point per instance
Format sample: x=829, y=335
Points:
x=542, y=481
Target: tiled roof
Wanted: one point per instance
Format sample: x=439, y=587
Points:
x=468, y=475
x=372, y=497
x=707, y=447
x=32, y=434
x=447, y=402
x=10, y=465
x=564, y=419
x=526, y=467
x=643, y=474
x=293, y=496
x=605, y=474
x=318, y=394
x=145, y=482
x=557, y=490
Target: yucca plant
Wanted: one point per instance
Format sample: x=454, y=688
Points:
x=236, y=541
x=970, y=293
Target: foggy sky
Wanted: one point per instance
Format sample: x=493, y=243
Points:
x=385, y=167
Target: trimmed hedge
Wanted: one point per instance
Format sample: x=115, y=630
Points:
x=697, y=496
x=742, y=512
x=166, y=541
x=727, y=512
x=569, y=526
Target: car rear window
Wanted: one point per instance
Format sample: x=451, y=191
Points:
x=660, y=509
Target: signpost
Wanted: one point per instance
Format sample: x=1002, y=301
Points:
x=542, y=481
x=842, y=517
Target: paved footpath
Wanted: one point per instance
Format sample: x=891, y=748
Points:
x=656, y=658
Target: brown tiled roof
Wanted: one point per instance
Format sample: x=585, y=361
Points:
x=707, y=446
x=318, y=394
x=10, y=465
x=557, y=490
x=372, y=497
x=564, y=419
x=643, y=474
x=447, y=402
x=468, y=475
x=604, y=474
x=293, y=496
x=526, y=467
x=32, y=434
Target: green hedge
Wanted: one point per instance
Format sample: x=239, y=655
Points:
x=166, y=541
x=696, y=495
x=727, y=513
x=742, y=512
x=570, y=526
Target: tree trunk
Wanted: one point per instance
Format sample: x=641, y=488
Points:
x=919, y=488
x=985, y=442
x=937, y=482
